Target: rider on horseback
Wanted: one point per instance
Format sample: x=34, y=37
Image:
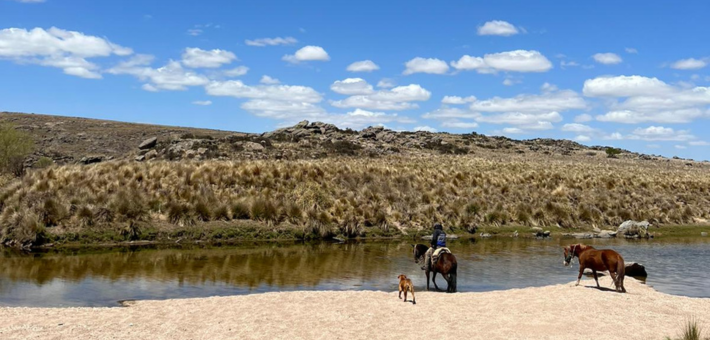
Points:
x=438, y=239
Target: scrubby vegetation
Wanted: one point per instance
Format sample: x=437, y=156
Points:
x=348, y=197
x=15, y=146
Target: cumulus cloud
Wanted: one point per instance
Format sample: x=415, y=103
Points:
x=171, y=77
x=607, y=58
x=699, y=143
x=579, y=128
x=456, y=100
x=660, y=133
x=236, y=72
x=363, y=66
x=582, y=138
x=689, y=64
x=236, y=88
x=308, y=53
x=395, y=99
x=425, y=128
x=386, y=83
x=359, y=119
x=352, y=86
x=202, y=102
x=631, y=50
x=271, y=41
x=524, y=112
x=425, y=65
x=55, y=47
x=583, y=118
x=648, y=100
x=199, y=58
x=512, y=61
x=456, y=124
x=497, y=27
x=266, y=80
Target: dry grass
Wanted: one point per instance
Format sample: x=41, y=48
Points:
x=351, y=196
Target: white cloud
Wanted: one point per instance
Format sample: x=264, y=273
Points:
x=395, y=99
x=689, y=64
x=363, y=66
x=456, y=124
x=583, y=118
x=236, y=88
x=455, y=100
x=582, y=138
x=681, y=147
x=699, y=143
x=624, y=86
x=359, y=119
x=271, y=41
x=386, y=83
x=607, y=58
x=579, y=128
x=529, y=121
x=236, y=72
x=59, y=48
x=425, y=65
x=565, y=64
x=202, y=102
x=513, y=130
x=425, y=128
x=199, y=58
x=511, y=81
x=512, y=61
x=447, y=113
x=266, y=80
x=194, y=32
x=284, y=109
x=497, y=27
x=649, y=100
x=308, y=53
x=552, y=101
x=169, y=77
x=631, y=50
x=660, y=133
x=352, y=86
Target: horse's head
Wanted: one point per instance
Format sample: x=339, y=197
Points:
x=418, y=250
x=570, y=252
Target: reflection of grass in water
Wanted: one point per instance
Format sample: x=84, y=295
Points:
x=275, y=265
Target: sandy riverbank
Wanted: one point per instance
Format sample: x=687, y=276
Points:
x=552, y=312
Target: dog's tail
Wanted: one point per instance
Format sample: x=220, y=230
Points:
x=620, y=273
x=452, y=279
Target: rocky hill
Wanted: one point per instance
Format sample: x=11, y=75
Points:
x=68, y=140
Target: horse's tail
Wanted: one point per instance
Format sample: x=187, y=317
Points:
x=452, y=278
x=620, y=273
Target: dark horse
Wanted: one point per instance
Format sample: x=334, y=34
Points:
x=598, y=260
x=446, y=265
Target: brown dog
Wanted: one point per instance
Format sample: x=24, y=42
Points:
x=405, y=285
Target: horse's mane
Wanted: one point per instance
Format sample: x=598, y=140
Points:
x=581, y=247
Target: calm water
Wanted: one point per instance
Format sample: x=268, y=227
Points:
x=675, y=266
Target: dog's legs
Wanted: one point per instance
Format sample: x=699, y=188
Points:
x=400, y=294
x=405, y=294
x=414, y=300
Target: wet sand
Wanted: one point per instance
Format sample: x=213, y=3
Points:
x=551, y=312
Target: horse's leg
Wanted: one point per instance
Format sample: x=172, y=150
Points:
x=448, y=283
x=427, y=280
x=613, y=279
x=433, y=280
x=594, y=271
x=579, y=277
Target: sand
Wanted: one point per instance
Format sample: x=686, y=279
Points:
x=552, y=312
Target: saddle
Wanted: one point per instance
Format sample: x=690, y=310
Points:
x=437, y=253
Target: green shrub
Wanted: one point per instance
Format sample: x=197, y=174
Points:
x=15, y=146
x=43, y=162
x=612, y=152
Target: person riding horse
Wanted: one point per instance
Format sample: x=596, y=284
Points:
x=438, y=239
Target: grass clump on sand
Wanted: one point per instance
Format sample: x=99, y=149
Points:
x=345, y=196
x=691, y=331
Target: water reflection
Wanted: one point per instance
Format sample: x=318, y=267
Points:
x=95, y=278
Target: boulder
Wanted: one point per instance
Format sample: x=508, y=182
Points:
x=151, y=154
x=140, y=158
x=251, y=146
x=148, y=143
x=606, y=234
x=536, y=229
x=634, y=229
x=704, y=233
x=91, y=159
x=636, y=270
x=301, y=125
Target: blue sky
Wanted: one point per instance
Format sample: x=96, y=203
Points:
x=629, y=74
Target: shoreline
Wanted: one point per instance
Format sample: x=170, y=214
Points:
x=550, y=312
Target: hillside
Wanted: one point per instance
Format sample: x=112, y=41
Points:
x=314, y=180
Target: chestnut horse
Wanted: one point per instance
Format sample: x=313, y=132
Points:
x=446, y=265
x=598, y=260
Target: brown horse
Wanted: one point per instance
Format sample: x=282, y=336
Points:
x=598, y=260
x=446, y=265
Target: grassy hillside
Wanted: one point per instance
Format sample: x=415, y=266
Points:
x=346, y=196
